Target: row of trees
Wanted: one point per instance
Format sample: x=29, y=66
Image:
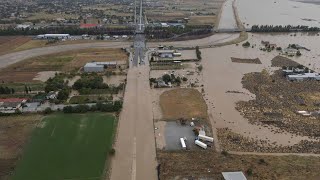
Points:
x=198, y=53
x=67, y=30
x=288, y=28
x=6, y=90
x=92, y=81
x=169, y=32
x=103, y=107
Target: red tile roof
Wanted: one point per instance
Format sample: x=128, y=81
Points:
x=13, y=100
x=88, y=25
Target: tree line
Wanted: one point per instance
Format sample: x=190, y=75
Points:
x=67, y=30
x=6, y=90
x=169, y=32
x=103, y=107
x=288, y=28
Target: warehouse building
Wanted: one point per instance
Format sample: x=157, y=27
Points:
x=53, y=36
x=99, y=66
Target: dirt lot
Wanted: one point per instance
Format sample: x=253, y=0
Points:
x=250, y=61
x=278, y=100
x=14, y=133
x=183, y=103
x=209, y=165
x=27, y=70
x=9, y=43
x=202, y=20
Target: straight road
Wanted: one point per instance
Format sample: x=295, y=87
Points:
x=135, y=157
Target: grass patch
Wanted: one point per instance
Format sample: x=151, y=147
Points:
x=31, y=44
x=68, y=146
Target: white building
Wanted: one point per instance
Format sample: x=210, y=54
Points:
x=93, y=67
x=52, y=95
x=166, y=53
x=165, y=25
x=304, y=76
x=22, y=26
x=234, y=175
x=53, y=36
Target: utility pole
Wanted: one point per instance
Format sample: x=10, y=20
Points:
x=135, y=12
x=140, y=28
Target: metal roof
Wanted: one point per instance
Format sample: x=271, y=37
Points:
x=93, y=65
x=234, y=175
x=306, y=75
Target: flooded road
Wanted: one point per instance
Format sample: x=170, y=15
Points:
x=227, y=18
x=279, y=12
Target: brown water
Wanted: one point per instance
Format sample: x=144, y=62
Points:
x=221, y=75
x=279, y=12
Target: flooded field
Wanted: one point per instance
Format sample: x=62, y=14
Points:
x=220, y=75
x=279, y=12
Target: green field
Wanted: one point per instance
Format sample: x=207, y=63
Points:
x=68, y=146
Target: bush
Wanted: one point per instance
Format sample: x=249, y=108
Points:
x=278, y=48
x=262, y=161
x=48, y=110
x=246, y=44
x=298, y=53
x=184, y=79
x=166, y=78
x=224, y=152
x=112, y=152
x=249, y=172
x=200, y=68
x=198, y=53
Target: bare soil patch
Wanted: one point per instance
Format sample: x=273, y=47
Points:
x=14, y=134
x=278, y=100
x=9, y=43
x=210, y=164
x=183, y=103
x=231, y=141
x=280, y=61
x=249, y=61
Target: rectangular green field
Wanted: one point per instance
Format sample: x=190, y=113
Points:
x=68, y=146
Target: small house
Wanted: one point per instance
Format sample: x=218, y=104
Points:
x=52, y=95
x=11, y=105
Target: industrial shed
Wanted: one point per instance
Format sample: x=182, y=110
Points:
x=93, y=67
x=99, y=66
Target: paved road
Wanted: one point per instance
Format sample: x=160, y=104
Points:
x=12, y=58
x=135, y=157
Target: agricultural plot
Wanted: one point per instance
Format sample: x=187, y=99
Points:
x=27, y=70
x=68, y=146
x=14, y=134
x=9, y=43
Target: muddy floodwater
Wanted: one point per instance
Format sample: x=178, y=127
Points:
x=220, y=75
x=227, y=18
x=279, y=12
